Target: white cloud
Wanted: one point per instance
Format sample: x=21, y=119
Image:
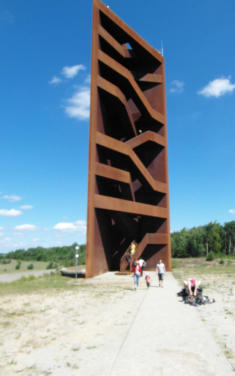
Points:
x=1, y=234
x=217, y=87
x=10, y=213
x=177, y=86
x=26, y=207
x=71, y=72
x=25, y=227
x=1, y=228
x=81, y=226
x=88, y=79
x=55, y=80
x=78, y=106
x=65, y=227
x=77, y=226
x=12, y=198
x=231, y=211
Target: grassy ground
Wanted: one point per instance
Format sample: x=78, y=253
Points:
x=52, y=282
x=199, y=268
x=11, y=267
x=37, y=265
x=38, y=284
x=55, y=283
x=203, y=270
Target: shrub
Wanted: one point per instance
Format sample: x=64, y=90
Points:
x=211, y=256
x=52, y=265
x=30, y=266
x=69, y=262
x=18, y=265
x=29, y=278
x=221, y=261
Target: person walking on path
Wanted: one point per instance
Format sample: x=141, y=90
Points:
x=136, y=274
x=160, y=269
x=141, y=264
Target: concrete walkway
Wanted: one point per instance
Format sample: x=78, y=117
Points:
x=167, y=337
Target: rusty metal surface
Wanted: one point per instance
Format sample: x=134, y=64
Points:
x=128, y=191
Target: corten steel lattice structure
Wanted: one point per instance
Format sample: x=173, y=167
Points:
x=128, y=196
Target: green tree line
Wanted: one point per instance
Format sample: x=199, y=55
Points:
x=202, y=240
x=60, y=255
x=194, y=242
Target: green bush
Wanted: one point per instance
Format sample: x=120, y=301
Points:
x=18, y=265
x=211, y=256
x=29, y=278
x=221, y=261
x=30, y=266
x=52, y=265
x=69, y=262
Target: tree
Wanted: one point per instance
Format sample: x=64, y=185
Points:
x=179, y=244
x=229, y=237
x=214, y=236
x=195, y=246
x=198, y=240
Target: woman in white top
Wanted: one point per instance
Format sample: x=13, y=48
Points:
x=160, y=271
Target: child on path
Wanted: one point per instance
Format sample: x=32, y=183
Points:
x=147, y=279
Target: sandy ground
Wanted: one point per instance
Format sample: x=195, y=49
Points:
x=220, y=316
x=103, y=327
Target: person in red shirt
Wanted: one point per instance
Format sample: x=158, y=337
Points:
x=136, y=273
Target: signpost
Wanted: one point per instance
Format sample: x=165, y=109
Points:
x=76, y=260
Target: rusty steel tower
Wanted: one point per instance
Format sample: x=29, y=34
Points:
x=128, y=193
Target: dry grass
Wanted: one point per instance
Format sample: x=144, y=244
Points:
x=11, y=267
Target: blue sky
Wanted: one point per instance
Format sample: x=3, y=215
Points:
x=44, y=112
